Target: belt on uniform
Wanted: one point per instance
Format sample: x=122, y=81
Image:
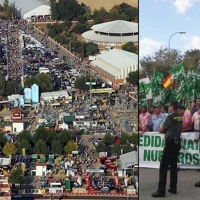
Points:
x=173, y=140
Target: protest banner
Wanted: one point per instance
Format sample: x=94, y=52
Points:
x=151, y=145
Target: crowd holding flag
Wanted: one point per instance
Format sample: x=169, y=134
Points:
x=175, y=86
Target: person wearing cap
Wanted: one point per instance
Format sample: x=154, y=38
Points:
x=156, y=118
x=172, y=128
x=187, y=125
x=144, y=119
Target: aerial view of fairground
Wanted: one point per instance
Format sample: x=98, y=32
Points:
x=68, y=99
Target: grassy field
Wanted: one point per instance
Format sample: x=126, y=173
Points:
x=107, y=4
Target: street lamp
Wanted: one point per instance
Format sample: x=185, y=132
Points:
x=90, y=84
x=171, y=37
x=169, y=43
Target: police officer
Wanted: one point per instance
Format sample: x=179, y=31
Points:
x=171, y=127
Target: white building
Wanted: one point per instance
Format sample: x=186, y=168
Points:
x=115, y=65
x=29, y=8
x=113, y=33
x=18, y=126
x=50, y=96
x=40, y=169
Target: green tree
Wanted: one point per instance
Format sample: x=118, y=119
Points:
x=63, y=10
x=71, y=146
x=64, y=137
x=78, y=47
x=191, y=59
x=100, y=16
x=41, y=147
x=129, y=11
x=116, y=15
x=40, y=134
x=133, y=78
x=116, y=149
x=82, y=19
x=12, y=87
x=17, y=176
x=9, y=149
x=2, y=85
x=80, y=28
x=162, y=60
x=44, y=81
x=23, y=144
x=127, y=148
x=24, y=135
x=29, y=81
x=108, y=139
x=56, y=147
x=3, y=140
x=6, y=4
x=124, y=138
x=51, y=136
x=129, y=46
x=54, y=11
x=91, y=49
x=80, y=82
x=133, y=139
x=101, y=147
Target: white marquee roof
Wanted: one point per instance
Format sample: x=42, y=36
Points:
x=115, y=60
x=117, y=26
x=92, y=36
x=129, y=159
x=26, y=6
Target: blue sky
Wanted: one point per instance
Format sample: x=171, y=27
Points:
x=159, y=19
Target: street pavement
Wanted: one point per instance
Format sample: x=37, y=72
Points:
x=148, y=183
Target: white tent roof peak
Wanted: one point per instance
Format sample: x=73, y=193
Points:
x=117, y=26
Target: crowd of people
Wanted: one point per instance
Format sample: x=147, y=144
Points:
x=151, y=117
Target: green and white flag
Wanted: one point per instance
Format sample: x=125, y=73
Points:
x=145, y=91
x=156, y=83
x=181, y=91
x=177, y=72
x=159, y=77
x=194, y=74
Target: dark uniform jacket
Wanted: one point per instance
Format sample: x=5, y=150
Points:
x=172, y=125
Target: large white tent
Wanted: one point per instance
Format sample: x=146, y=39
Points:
x=112, y=33
x=28, y=8
x=115, y=64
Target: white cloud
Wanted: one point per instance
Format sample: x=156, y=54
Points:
x=192, y=42
x=148, y=46
x=183, y=5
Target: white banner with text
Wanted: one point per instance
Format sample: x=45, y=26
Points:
x=151, y=145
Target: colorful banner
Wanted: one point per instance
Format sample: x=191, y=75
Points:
x=151, y=145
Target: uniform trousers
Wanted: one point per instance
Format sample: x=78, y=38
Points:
x=169, y=158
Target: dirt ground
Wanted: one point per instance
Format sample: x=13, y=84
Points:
x=107, y=4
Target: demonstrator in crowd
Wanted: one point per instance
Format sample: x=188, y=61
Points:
x=156, y=119
x=144, y=119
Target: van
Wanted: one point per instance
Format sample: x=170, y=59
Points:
x=56, y=59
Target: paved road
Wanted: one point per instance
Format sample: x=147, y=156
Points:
x=148, y=182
